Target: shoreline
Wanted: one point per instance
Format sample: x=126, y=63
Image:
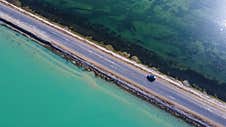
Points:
x=97, y=71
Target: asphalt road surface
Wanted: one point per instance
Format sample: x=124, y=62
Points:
x=116, y=66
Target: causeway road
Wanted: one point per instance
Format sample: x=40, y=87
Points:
x=131, y=74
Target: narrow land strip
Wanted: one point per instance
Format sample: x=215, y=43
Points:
x=97, y=56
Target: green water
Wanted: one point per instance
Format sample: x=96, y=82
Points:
x=40, y=89
x=182, y=38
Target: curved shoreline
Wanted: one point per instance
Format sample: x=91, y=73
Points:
x=160, y=102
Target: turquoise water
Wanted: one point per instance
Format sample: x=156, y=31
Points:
x=40, y=89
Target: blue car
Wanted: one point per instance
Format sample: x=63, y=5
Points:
x=151, y=78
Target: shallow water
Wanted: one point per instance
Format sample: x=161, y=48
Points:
x=40, y=89
x=183, y=38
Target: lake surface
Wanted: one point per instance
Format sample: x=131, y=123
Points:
x=40, y=89
x=182, y=38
